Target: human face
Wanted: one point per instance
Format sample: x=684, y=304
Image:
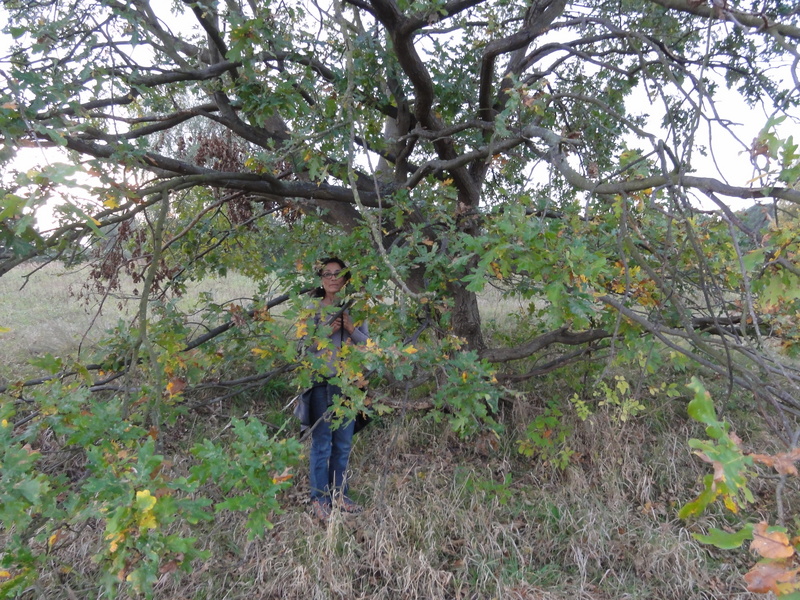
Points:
x=332, y=278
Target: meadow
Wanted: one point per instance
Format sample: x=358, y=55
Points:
x=49, y=310
x=445, y=518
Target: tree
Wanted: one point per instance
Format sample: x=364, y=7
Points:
x=549, y=149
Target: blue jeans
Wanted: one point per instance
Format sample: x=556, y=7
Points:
x=330, y=448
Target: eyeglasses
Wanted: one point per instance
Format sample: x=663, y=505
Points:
x=329, y=275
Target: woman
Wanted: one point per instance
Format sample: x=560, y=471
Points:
x=331, y=444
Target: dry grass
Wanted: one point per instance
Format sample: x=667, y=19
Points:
x=445, y=519
x=51, y=312
x=445, y=522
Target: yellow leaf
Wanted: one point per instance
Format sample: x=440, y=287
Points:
x=496, y=268
x=147, y=521
x=115, y=539
x=5, y=574
x=260, y=353
x=145, y=501
x=730, y=504
x=111, y=203
x=302, y=329
x=4, y=423
x=5, y=329
x=754, y=179
x=410, y=350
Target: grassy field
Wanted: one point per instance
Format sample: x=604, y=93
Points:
x=50, y=311
x=445, y=518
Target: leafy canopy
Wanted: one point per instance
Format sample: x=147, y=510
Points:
x=557, y=154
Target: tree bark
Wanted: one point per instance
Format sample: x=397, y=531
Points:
x=465, y=317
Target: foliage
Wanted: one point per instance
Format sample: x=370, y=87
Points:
x=546, y=437
x=777, y=569
x=438, y=148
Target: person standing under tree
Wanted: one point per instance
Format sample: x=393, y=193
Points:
x=331, y=444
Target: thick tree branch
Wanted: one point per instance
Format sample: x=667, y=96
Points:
x=759, y=22
x=540, y=15
x=414, y=67
x=558, y=336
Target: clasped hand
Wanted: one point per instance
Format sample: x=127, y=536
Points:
x=343, y=322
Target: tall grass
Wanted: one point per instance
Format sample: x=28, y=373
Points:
x=444, y=521
x=445, y=518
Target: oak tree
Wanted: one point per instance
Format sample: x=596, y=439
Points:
x=567, y=156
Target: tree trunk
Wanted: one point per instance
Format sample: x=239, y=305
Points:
x=466, y=318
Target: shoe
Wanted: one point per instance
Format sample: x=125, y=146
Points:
x=320, y=509
x=349, y=506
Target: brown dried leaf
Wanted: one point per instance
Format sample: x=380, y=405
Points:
x=770, y=544
x=763, y=577
x=719, y=469
x=169, y=567
x=262, y=314
x=759, y=148
x=175, y=386
x=238, y=315
x=281, y=477
x=782, y=462
x=772, y=577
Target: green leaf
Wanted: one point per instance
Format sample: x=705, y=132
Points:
x=48, y=362
x=696, y=507
x=701, y=408
x=754, y=259
x=30, y=489
x=725, y=540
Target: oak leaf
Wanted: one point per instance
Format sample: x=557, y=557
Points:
x=770, y=544
x=238, y=315
x=282, y=477
x=169, y=567
x=782, y=462
x=719, y=468
x=767, y=576
x=175, y=386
